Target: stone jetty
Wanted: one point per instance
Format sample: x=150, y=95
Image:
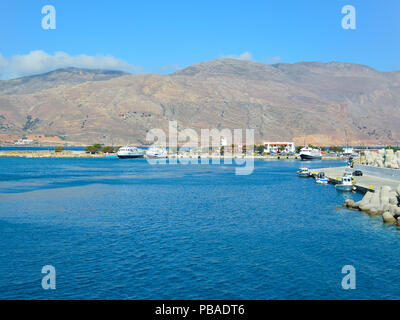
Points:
x=384, y=201
x=383, y=159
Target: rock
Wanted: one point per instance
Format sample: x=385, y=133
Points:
x=387, y=207
x=392, y=209
x=349, y=203
x=365, y=200
x=388, y=218
x=398, y=190
x=374, y=211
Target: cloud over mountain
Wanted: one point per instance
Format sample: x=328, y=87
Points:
x=38, y=61
x=247, y=56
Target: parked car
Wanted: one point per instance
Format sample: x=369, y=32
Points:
x=357, y=173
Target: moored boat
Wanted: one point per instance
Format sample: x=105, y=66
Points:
x=308, y=153
x=304, y=173
x=129, y=153
x=320, y=178
x=346, y=184
x=157, y=153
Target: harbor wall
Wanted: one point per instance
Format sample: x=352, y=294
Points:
x=385, y=173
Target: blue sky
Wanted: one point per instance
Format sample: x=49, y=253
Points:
x=160, y=36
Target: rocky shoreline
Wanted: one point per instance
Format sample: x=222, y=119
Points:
x=384, y=201
x=383, y=159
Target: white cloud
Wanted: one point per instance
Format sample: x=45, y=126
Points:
x=37, y=62
x=244, y=56
x=272, y=60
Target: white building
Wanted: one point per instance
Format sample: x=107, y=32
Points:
x=348, y=151
x=273, y=147
x=23, y=142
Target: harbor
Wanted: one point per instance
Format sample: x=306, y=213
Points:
x=183, y=229
x=362, y=183
x=379, y=184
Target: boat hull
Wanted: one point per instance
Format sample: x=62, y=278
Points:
x=342, y=187
x=156, y=157
x=306, y=157
x=322, y=181
x=304, y=175
x=130, y=156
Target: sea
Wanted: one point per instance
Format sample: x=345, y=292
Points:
x=127, y=229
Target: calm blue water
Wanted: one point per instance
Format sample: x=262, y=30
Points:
x=127, y=230
x=30, y=148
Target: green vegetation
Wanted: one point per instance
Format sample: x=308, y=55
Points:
x=108, y=149
x=336, y=149
x=59, y=149
x=97, y=148
x=94, y=149
x=260, y=149
x=392, y=148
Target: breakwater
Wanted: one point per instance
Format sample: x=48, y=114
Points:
x=367, y=182
x=384, y=201
x=382, y=195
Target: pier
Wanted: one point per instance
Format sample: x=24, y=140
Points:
x=363, y=183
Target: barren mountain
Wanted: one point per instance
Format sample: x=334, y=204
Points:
x=315, y=102
x=53, y=79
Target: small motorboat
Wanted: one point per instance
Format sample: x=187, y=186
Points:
x=304, y=173
x=346, y=184
x=320, y=178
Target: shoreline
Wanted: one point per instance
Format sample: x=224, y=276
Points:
x=83, y=154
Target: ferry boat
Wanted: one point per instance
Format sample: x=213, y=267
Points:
x=308, y=153
x=157, y=153
x=129, y=153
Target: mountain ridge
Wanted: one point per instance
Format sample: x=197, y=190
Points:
x=319, y=102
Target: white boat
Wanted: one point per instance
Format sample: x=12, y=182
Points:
x=308, y=153
x=322, y=181
x=321, y=178
x=346, y=184
x=155, y=152
x=304, y=173
x=129, y=153
x=348, y=173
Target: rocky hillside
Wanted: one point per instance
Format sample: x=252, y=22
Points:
x=53, y=79
x=315, y=102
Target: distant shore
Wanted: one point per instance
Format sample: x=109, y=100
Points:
x=83, y=154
